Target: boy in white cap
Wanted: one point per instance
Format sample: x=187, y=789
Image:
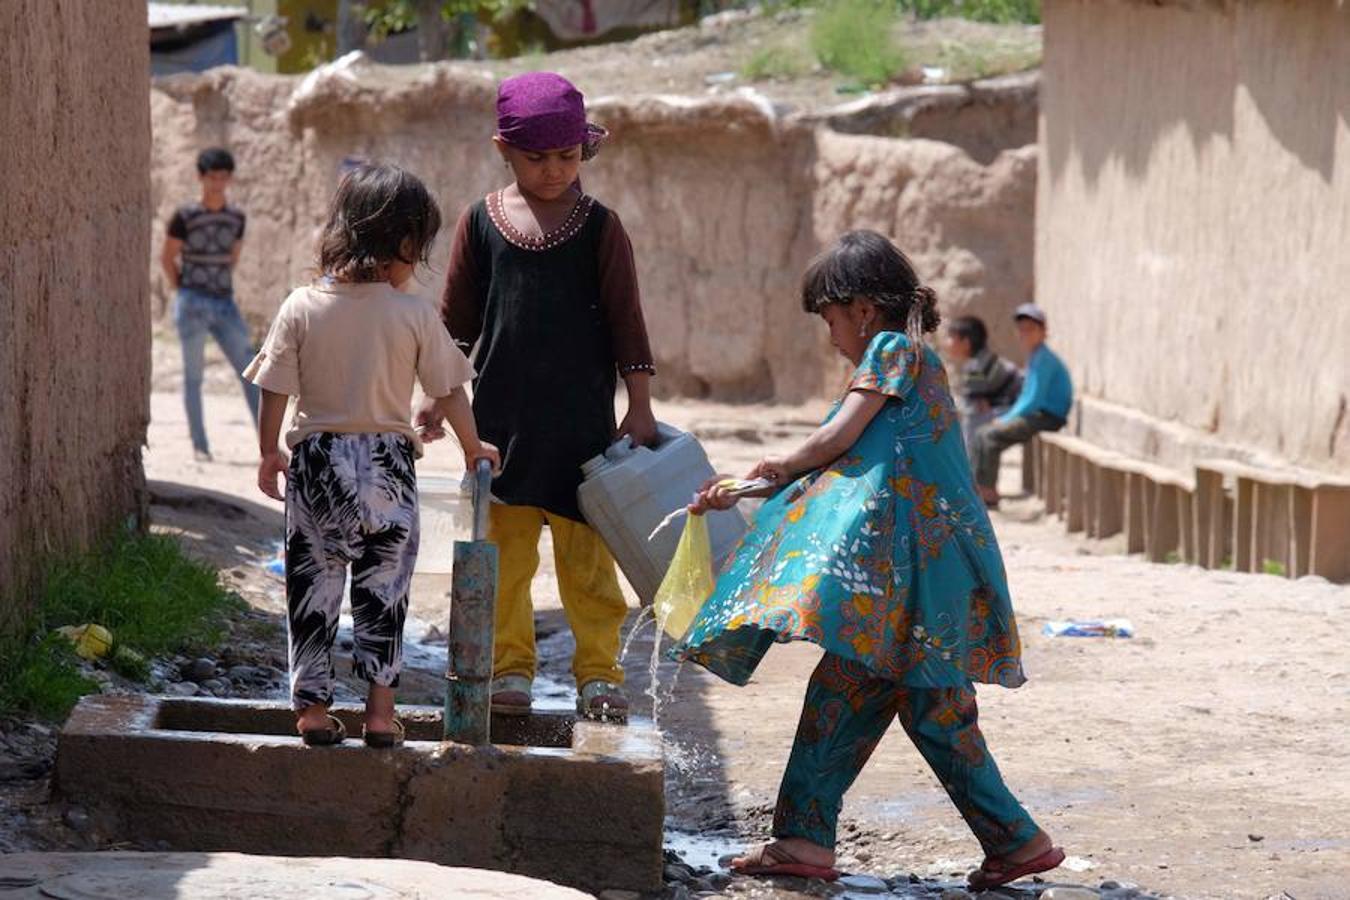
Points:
x=1043, y=404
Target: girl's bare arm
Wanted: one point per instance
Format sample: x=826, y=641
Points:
x=825, y=445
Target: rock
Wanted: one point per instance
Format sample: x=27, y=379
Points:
x=677, y=892
x=703, y=884
x=863, y=856
x=200, y=670
x=78, y=820
x=678, y=872
x=1256, y=838
x=719, y=880
x=215, y=686
x=1110, y=885
x=864, y=884
x=184, y=689
x=615, y=894
x=1070, y=893
x=955, y=894
x=242, y=673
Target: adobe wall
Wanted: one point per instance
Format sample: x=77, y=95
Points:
x=726, y=200
x=74, y=346
x=1193, y=207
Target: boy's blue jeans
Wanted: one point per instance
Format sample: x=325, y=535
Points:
x=198, y=314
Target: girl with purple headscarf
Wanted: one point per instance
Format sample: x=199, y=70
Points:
x=542, y=287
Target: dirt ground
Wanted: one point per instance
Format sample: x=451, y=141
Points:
x=1202, y=758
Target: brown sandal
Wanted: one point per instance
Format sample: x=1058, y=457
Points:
x=335, y=734
x=384, y=740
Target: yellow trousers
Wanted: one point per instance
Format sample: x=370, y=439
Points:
x=591, y=597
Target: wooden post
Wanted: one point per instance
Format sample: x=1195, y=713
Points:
x=1075, y=475
x=1330, y=533
x=1300, y=524
x=1186, y=525
x=1244, y=507
x=1029, y=465
x=1136, y=513
x=1208, y=516
x=1161, y=535
x=1109, y=507
x=1054, y=483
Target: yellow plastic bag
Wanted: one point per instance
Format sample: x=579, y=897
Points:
x=91, y=641
x=688, y=581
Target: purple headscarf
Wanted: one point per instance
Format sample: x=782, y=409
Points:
x=543, y=111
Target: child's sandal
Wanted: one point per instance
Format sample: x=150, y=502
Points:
x=602, y=701
x=384, y=740
x=331, y=736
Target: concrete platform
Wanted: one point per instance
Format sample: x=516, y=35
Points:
x=577, y=803
x=231, y=876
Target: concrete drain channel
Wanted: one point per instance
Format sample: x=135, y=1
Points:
x=573, y=802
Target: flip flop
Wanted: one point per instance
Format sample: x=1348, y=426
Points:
x=335, y=734
x=383, y=740
x=770, y=859
x=988, y=875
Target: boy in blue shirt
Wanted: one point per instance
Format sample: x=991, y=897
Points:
x=1042, y=405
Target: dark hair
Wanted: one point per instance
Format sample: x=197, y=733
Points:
x=376, y=211
x=215, y=159
x=866, y=264
x=972, y=329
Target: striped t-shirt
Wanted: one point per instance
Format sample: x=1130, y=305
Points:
x=208, y=238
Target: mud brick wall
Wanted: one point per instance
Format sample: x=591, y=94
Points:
x=74, y=238
x=726, y=200
x=1192, y=221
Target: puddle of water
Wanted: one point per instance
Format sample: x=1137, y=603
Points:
x=702, y=849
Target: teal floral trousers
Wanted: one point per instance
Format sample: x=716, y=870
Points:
x=846, y=712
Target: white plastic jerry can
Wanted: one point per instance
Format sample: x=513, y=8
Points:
x=629, y=490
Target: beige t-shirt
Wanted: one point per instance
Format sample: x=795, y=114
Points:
x=349, y=353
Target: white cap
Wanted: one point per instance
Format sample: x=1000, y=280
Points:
x=1030, y=311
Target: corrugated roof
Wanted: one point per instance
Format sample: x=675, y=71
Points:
x=177, y=15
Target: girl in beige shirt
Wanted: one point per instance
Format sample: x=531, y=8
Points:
x=349, y=348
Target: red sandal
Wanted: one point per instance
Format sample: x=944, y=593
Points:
x=990, y=875
x=770, y=859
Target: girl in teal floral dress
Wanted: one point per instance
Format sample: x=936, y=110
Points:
x=875, y=545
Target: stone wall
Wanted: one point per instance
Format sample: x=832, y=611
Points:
x=1193, y=213
x=726, y=201
x=74, y=342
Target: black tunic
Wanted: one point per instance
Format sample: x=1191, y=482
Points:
x=544, y=326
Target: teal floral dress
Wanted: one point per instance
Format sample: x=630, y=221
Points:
x=885, y=556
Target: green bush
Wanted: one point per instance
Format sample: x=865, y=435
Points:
x=774, y=62
x=853, y=38
x=1004, y=11
x=142, y=588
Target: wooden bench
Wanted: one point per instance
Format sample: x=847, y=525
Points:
x=1259, y=518
x=1292, y=521
x=1102, y=493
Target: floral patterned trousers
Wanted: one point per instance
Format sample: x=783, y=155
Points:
x=846, y=712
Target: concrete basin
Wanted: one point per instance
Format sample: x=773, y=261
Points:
x=573, y=802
